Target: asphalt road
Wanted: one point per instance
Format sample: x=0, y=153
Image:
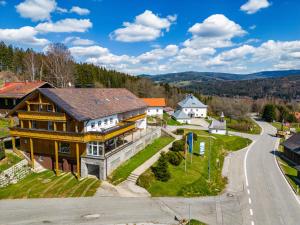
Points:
x=267, y=199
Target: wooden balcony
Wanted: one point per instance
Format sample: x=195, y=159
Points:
x=42, y=116
x=137, y=117
x=72, y=136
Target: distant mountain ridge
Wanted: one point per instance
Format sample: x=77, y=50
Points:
x=214, y=76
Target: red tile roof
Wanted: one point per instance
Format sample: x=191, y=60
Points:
x=20, y=89
x=155, y=102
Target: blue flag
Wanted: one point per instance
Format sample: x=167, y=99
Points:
x=190, y=142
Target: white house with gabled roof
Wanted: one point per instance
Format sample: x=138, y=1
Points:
x=190, y=107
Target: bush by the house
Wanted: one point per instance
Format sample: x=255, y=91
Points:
x=161, y=171
x=174, y=158
x=195, y=136
x=178, y=146
x=2, y=152
x=180, y=131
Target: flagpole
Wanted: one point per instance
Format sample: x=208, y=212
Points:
x=185, y=152
x=192, y=144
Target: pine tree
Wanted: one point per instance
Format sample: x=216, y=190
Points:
x=269, y=113
x=161, y=171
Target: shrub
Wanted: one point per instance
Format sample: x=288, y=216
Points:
x=2, y=152
x=178, y=146
x=180, y=131
x=174, y=158
x=161, y=171
x=146, y=179
x=195, y=136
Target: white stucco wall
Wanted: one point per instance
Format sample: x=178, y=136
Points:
x=111, y=121
x=184, y=121
x=214, y=131
x=155, y=111
x=198, y=112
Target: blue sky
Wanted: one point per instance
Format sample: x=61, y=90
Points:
x=152, y=37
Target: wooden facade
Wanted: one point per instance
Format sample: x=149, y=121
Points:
x=55, y=139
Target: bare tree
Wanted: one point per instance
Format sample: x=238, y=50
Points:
x=31, y=64
x=60, y=66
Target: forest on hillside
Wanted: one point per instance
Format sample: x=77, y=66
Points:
x=287, y=88
x=57, y=67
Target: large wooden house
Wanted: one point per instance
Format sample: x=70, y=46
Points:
x=60, y=128
x=12, y=93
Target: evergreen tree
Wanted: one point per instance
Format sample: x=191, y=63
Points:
x=161, y=171
x=269, y=113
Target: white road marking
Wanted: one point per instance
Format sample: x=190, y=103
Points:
x=248, y=191
x=250, y=201
x=252, y=222
x=284, y=178
x=245, y=162
x=251, y=212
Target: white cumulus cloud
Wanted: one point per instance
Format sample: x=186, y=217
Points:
x=215, y=31
x=79, y=10
x=24, y=35
x=78, y=41
x=36, y=9
x=253, y=6
x=66, y=25
x=146, y=27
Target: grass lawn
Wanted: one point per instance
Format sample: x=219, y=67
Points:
x=170, y=121
x=244, y=125
x=195, y=181
x=123, y=171
x=48, y=185
x=289, y=171
x=195, y=222
x=9, y=161
x=277, y=125
x=3, y=127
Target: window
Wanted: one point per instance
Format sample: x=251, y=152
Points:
x=197, y=110
x=64, y=147
x=148, y=110
x=95, y=148
x=6, y=102
x=111, y=120
x=49, y=108
x=157, y=110
x=92, y=125
x=105, y=122
x=14, y=101
x=40, y=108
x=33, y=124
x=99, y=123
x=50, y=125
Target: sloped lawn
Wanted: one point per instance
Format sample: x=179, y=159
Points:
x=123, y=171
x=195, y=181
x=48, y=185
x=9, y=160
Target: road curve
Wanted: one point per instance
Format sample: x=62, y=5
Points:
x=269, y=198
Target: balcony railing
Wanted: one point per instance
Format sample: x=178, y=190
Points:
x=73, y=136
x=42, y=116
x=137, y=117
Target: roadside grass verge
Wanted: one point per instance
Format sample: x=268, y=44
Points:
x=195, y=222
x=195, y=181
x=124, y=170
x=289, y=171
x=47, y=185
x=9, y=160
x=278, y=126
x=246, y=125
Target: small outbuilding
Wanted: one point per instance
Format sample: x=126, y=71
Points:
x=291, y=148
x=155, y=106
x=218, y=126
x=181, y=117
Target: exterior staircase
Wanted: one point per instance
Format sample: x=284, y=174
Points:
x=132, y=178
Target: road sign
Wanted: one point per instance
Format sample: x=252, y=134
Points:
x=202, y=148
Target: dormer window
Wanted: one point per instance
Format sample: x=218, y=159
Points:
x=99, y=123
x=92, y=125
x=111, y=120
x=105, y=122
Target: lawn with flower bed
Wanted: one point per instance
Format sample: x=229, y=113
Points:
x=47, y=185
x=195, y=181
